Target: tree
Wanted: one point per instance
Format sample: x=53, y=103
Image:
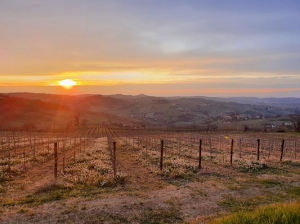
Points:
x=84, y=122
x=295, y=118
x=77, y=119
x=29, y=127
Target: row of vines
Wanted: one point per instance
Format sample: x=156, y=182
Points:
x=90, y=154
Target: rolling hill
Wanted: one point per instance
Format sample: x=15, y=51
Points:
x=47, y=109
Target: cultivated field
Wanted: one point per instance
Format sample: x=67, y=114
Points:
x=99, y=174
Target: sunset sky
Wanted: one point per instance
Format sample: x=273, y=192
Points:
x=154, y=47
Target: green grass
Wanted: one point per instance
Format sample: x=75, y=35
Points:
x=256, y=167
x=293, y=191
x=273, y=214
x=169, y=215
x=235, y=204
x=291, y=163
x=269, y=183
x=49, y=194
x=58, y=192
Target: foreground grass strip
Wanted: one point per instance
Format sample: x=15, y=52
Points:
x=277, y=213
x=170, y=215
x=55, y=193
x=235, y=204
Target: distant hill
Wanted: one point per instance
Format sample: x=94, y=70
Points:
x=291, y=102
x=17, y=111
x=162, y=111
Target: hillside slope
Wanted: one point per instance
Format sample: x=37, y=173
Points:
x=164, y=111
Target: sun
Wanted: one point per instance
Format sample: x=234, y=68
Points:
x=67, y=83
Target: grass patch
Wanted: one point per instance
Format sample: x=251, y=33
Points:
x=58, y=192
x=169, y=215
x=236, y=186
x=255, y=167
x=48, y=194
x=200, y=193
x=278, y=213
x=293, y=191
x=269, y=183
x=291, y=163
x=235, y=204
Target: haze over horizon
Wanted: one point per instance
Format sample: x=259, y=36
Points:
x=158, y=48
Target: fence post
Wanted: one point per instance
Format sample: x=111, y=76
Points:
x=80, y=144
x=200, y=152
x=161, y=154
x=24, y=159
x=9, y=155
x=84, y=142
x=146, y=148
x=282, y=148
x=55, y=160
x=231, y=151
x=295, y=150
x=258, y=145
x=34, y=149
x=240, y=148
x=48, y=146
x=114, y=159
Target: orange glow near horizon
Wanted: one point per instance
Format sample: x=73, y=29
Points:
x=67, y=83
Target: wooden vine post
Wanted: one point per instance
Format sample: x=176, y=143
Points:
x=161, y=154
x=24, y=160
x=282, y=148
x=114, y=158
x=200, y=152
x=231, y=151
x=55, y=160
x=80, y=144
x=258, y=145
x=240, y=145
x=9, y=155
x=48, y=145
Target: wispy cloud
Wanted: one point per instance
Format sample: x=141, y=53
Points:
x=122, y=42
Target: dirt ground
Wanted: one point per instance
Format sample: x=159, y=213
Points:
x=145, y=196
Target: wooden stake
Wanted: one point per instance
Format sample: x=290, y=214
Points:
x=114, y=159
x=200, y=152
x=258, y=145
x=282, y=148
x=161, y=154
x=24, y=162
x=55, y=160
x=231, y=151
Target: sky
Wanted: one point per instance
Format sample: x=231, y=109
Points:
x=158, y=47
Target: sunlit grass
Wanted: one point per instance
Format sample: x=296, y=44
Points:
x=277, y=213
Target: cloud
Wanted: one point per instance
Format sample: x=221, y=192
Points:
x=178, y=41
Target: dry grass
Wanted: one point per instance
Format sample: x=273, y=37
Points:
x=88, y=192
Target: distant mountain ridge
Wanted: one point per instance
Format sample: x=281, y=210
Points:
x=286, y=101
x=163, y=111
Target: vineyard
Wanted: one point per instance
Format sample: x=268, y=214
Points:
x=156, y=149
x=94, y=156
